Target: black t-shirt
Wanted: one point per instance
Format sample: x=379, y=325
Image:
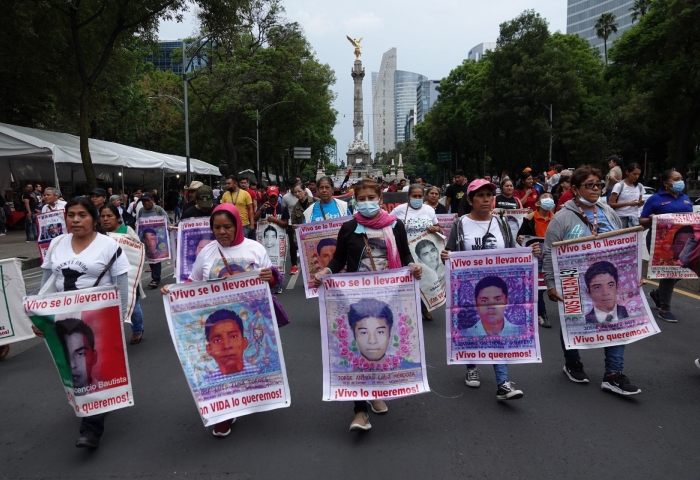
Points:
x=440, y=209
x=455, y=193
x=509, y=203
x=32, y=200
x=194, y=212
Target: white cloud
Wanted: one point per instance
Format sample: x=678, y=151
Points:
x=363, y=22
x=313, y=24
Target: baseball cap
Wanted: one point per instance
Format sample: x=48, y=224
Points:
x=273, y=191
x=147, y=196
x=195, y=185
x=477, y=184
x=205, y=197
x=527, y=169
x=99, y=191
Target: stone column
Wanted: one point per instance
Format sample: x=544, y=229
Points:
x=358, y=74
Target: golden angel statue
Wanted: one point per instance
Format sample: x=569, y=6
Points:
x=356, y=43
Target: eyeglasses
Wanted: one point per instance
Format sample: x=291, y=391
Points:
x=593, y=185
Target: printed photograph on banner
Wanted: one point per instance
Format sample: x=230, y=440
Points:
x=372, y=336
x=153, y=233
x=426, y=249
x=15, y=325
x=492, y=307
x=675, y=243
x=446, y=220
x=193, y=234
x=226, y=337
x=529, y=241
x=84, y=333
x=50, y=225
x=599, y=282
x=274, y=239
x=317, y=242
x=513, y=218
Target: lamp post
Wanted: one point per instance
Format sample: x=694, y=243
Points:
x=258, y=116
x=551, y=129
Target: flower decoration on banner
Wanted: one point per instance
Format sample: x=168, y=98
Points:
x=351, y=356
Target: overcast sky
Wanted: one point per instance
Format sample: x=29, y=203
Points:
x=431, y=36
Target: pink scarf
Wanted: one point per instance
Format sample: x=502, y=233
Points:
x=383, y=222
x=233, y=210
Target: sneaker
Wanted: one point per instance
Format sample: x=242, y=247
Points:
x=618, y=383
x=30, y=241
x=360, y=422
x=544, y=321
x=507, y=392
x=378, y=406
x=222, y=429
x=654, y=295
x=472, y=377
x=294, y=270
x=575, y=372
x=2, y=234
x=697, y=362
x=277, y=290
x=668, y=316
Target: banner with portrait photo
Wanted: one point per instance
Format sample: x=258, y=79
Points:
x=670, y=235
x=135, y=253
x=492, y=307
x=193, y=234
x=15, y=325
x=84, y=332
x=598, y=278
x=153, y=233
x=372, y=336
x=513, y=218
x=49, y=225
x=446, y=221
x=317, y=242
x=426, y=249
x=227, y=340
x=530, y=241
x=274, y=239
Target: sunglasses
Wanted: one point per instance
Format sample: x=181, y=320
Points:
x=593, y=185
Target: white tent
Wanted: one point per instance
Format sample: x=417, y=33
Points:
x=33, y=154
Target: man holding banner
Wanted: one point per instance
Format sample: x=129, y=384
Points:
x=152, y=223
x=273, y=219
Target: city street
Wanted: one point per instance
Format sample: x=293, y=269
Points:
x=558, y=430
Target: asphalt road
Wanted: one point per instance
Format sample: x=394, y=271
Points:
x=558, y=430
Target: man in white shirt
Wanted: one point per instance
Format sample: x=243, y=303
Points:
x=51, y=200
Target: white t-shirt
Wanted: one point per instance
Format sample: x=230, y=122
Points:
x=245, y=257
x=75, y=272
x=59, y=205
x=415, y=221
x=474, y=232
x=625, y=193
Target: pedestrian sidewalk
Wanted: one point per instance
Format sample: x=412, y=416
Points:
x=14, y=244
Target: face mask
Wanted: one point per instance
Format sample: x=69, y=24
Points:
x=547, y=203
x=678, y=186
x=586, y=202
x=368, y=209
x=416, y=202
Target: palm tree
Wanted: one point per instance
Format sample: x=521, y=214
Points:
x=639, y=9
x=604, y=27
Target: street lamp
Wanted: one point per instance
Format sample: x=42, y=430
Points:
x=258, y=116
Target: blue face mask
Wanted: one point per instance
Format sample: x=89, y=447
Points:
x=368, y=209
x=678, y=186
x=547, y=203
x=416, y=202
x=586, y=202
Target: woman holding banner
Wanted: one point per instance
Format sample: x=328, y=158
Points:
x=626, y=196
x=85, y=258
x=230, y=254
x=111, y=223
x=584, y=216
x=371, y=240
x=670, y=199
x=432, y=199
x=481, y=230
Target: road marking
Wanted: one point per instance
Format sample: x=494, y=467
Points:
x=292, y=282
x=682, y=292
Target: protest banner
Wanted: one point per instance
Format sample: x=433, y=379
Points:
x=153, y=233
x=372, y=336
x=84, y=333
x=426, y=249
x=317, y=241
x=274, y=239
x=391, y=200
x=512, y=217
x=226, y=337
x=446, y=221
x=193, y=234
x=529, y=241
x=15, y=325
x=175, y=251
x=669, y=236
x=135, y=253
x=598, y=278
x=492, y=307
x=50, y=225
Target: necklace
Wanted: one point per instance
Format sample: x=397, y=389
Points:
x=487, y=229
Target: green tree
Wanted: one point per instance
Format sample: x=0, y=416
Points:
x=639, y=9
x=604, y=27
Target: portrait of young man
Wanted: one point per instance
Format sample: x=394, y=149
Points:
x=602, y=284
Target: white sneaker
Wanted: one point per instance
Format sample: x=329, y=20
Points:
x=472, y=377
x=697, y=362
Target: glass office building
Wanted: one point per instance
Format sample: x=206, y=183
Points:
x=477, y=52
x=582, y=15
x=405, y=86
x=383, y=114
x=426, y=96
x=163, y=59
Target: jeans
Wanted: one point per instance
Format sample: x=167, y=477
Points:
x=246, y=230
x=541, y=307
x=665, y=292
x=614, y=356
x=94, y=424
x=629, y=222
x=155, y=271
x=137, y=318
x=178, y=212
x=501, y=371
x=30, y=227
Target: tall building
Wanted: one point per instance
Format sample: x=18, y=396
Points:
x=582, y=14
x=477, y=52
x=383, y=113
x=426, y=96
x=405, y=85
x=162, y=60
